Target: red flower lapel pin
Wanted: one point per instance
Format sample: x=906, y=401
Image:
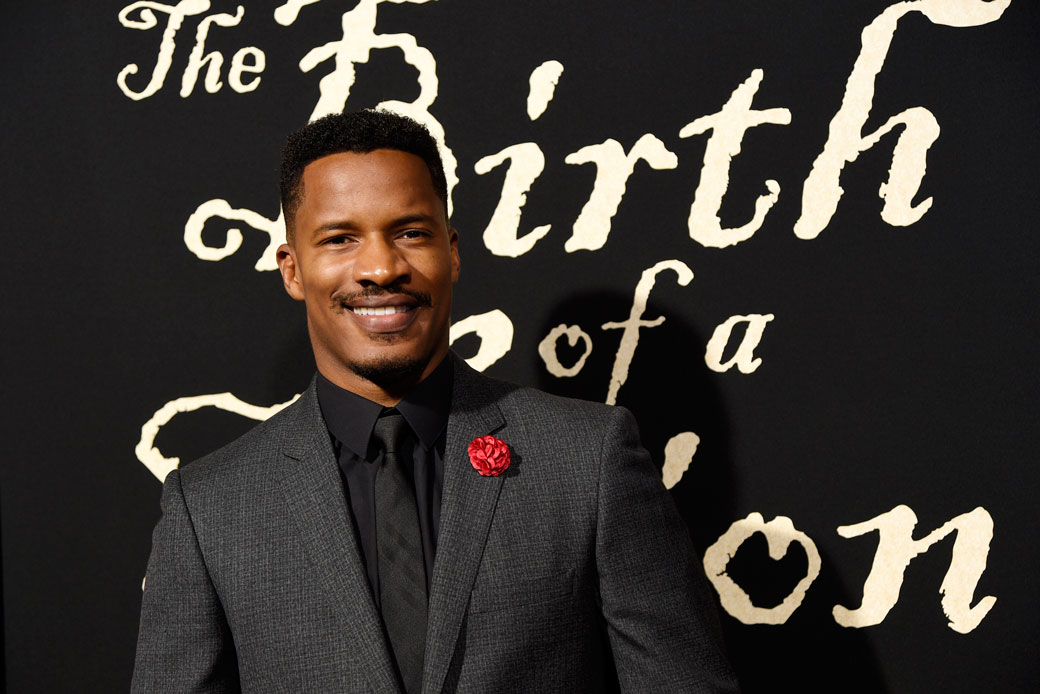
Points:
x=490, y=456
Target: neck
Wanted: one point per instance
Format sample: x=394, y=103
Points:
x=386, y=394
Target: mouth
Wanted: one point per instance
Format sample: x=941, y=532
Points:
x=384, y=319
x=379, y=310
x=383, y=312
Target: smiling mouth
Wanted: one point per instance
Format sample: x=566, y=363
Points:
x=383, y=321
x=379, y=310
x=382, y=312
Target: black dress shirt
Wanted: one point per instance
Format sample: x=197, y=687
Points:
x=351, y=418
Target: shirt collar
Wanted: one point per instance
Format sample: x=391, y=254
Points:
x=350, y=418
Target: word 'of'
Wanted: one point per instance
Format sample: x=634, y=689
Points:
x=495, y=331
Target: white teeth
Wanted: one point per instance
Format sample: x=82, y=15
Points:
x=379, y=310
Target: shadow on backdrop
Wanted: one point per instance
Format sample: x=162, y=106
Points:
x=670, y=390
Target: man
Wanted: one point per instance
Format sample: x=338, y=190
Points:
x=351, y=543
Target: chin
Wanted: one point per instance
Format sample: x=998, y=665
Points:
x=390, y=370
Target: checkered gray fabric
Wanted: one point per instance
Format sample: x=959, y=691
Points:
x=571, y=572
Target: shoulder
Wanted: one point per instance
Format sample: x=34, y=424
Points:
x=535, y=409
x=538, y=404
x=258, y=449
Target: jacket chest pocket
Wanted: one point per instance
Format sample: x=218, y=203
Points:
x=521, y=589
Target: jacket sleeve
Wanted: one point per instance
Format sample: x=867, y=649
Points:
x=661, y=620
x=184, y=643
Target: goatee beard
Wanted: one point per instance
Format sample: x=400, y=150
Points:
x=389, y=372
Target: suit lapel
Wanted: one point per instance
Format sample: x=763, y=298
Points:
x=317, y=503
x=467, y=507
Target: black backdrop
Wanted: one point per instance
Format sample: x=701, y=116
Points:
x=898, y=369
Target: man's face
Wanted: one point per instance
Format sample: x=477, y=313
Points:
x=374, y=259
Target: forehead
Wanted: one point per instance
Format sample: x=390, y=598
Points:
x=387, y=178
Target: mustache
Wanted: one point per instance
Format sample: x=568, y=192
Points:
x=345, y=299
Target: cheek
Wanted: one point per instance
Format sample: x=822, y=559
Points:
x=443, y=270
x=324, y=274
x=430, y=274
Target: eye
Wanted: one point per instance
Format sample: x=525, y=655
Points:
x=415, y=234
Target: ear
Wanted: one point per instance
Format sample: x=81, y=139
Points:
x=291, y=280
x=453, y=240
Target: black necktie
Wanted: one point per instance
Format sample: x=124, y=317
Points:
x=402, y=576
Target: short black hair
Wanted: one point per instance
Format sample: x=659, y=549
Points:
x=355, y=131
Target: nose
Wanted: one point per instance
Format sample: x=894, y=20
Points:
x=378, y=261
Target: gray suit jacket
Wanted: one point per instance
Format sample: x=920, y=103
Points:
x=575, y=557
